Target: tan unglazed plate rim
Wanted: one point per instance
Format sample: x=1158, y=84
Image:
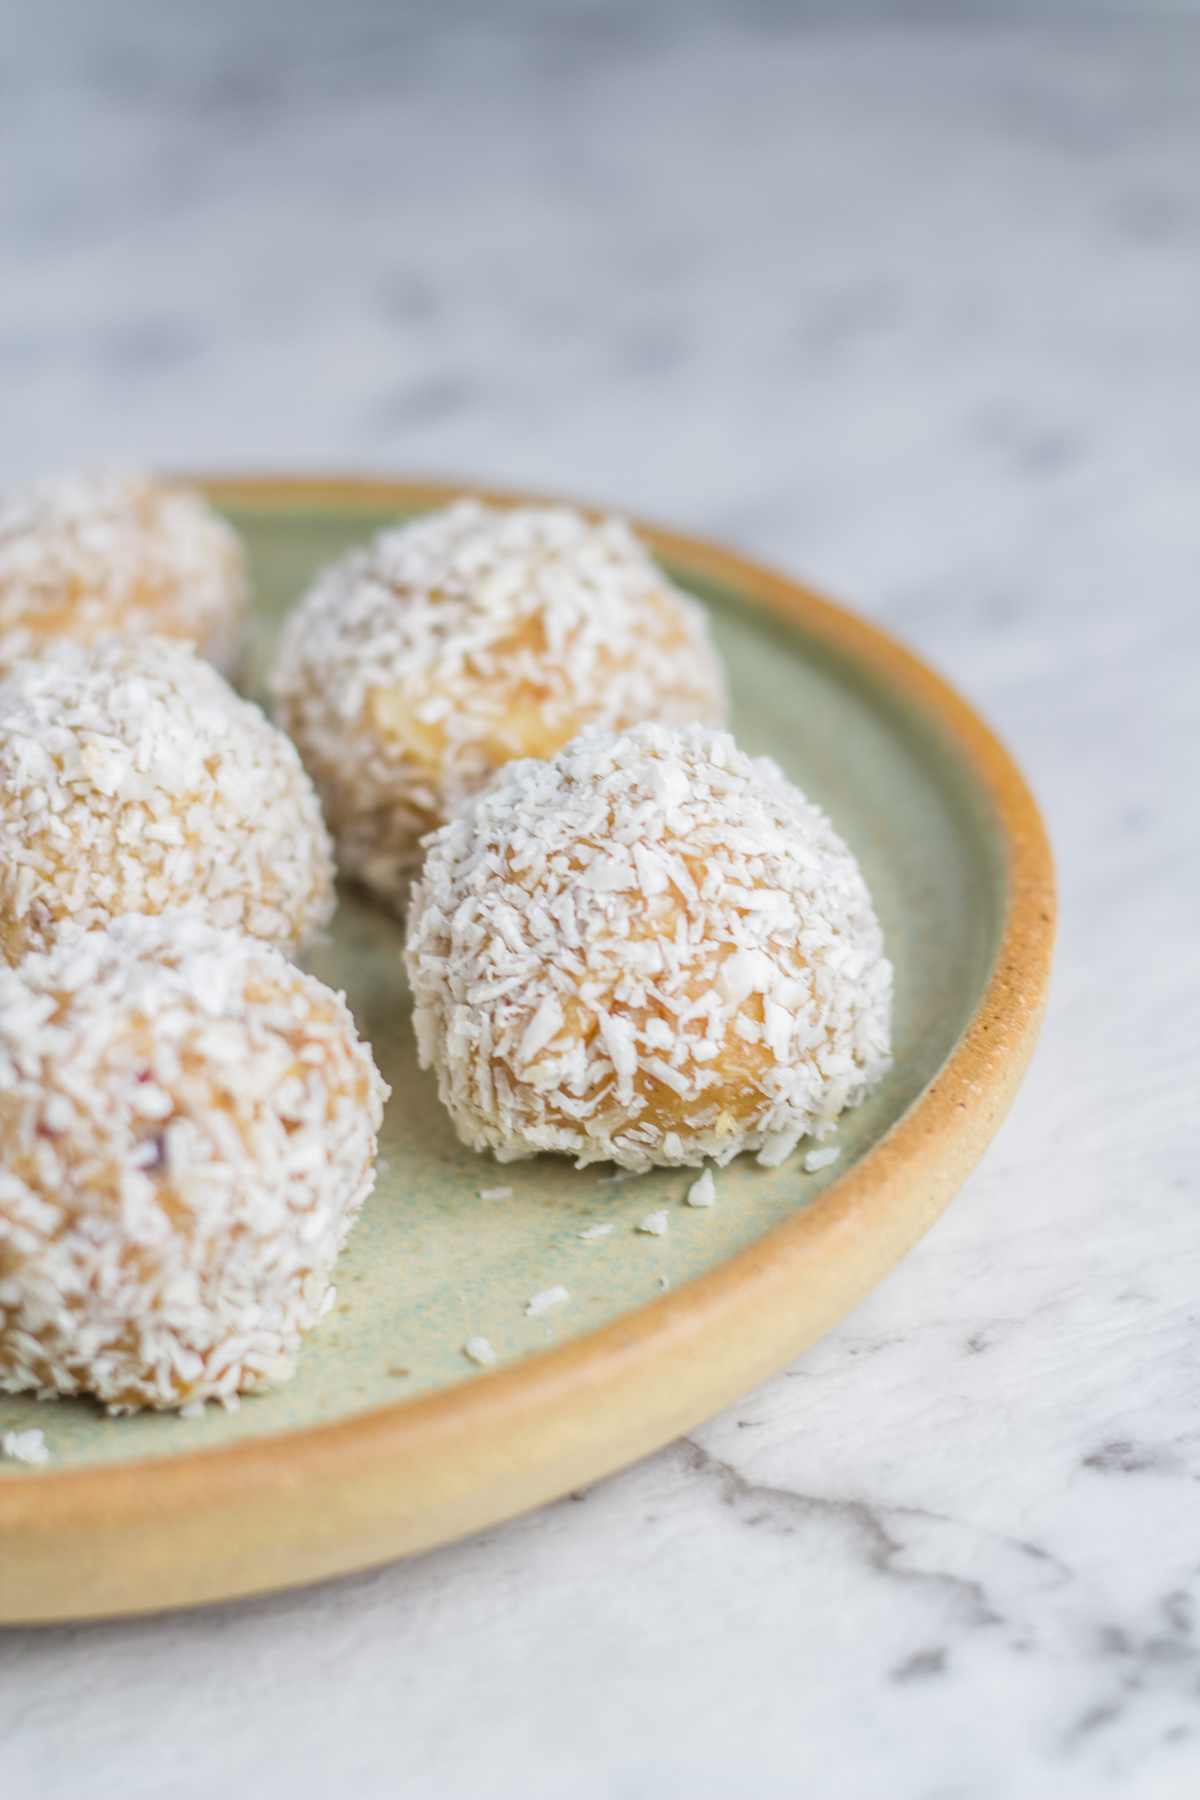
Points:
x=302, y=1506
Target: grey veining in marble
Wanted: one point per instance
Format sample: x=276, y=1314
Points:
x=904, y=298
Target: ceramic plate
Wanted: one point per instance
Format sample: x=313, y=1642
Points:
x=389, y=1439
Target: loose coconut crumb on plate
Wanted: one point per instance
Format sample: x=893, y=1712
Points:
x=25, y=1446
x=655, y=1224
x=495, y=1193
x=134, y=780
x=650, y=950
x=418, y=666
x=820, y=1159
x=479, y=1351
x=704, y=1191
x=187, y=1133
x=597, y=1231
x=540, y=1303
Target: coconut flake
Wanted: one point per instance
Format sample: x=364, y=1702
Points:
x=479, y=1351
x=540, y=1303
x=820, y=1159
x=704, y=1191
x=655, y=1224
x=25, y=1446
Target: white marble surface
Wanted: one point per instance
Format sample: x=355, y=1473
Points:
x=902, y=298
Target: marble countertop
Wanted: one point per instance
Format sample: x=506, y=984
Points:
x=902, y=299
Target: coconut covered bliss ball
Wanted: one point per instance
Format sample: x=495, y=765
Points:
x=187, y=1134
x=133, y=779
x=85, y=555
x=651, y=949
x=416, y=668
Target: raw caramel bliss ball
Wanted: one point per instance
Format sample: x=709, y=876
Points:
x=651, y=949
x=416, y=668
x=83, y=556
x=133, y=779
x=187, y=1134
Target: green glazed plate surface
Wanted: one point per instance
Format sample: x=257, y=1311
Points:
x=431, y=1263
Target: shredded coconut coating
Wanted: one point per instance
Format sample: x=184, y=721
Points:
x=187, y=1132
x=133, y=779
x=652, y=949
x=416, y=668
x=83, y=556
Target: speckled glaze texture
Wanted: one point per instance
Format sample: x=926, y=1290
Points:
x=901, y=300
